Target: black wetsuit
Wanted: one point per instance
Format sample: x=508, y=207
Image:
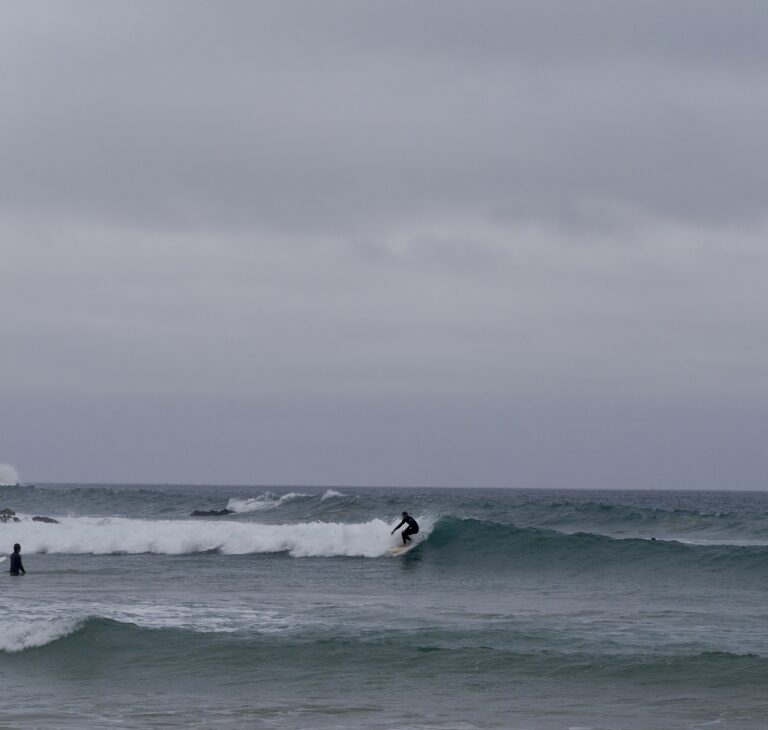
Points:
x=412, y=529
x=16, y=565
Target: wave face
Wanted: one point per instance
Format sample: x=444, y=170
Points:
x=495, y=546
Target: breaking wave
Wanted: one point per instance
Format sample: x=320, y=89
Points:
x=116, y=535
x=265, y=501
x=450, y=540
x=18, y=635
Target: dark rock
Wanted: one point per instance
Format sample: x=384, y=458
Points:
x=8, y=515
x=48, y=520
x=212, y=513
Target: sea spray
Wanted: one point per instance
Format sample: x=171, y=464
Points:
x=8, y=475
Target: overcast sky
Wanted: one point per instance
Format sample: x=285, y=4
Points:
x=415, y=243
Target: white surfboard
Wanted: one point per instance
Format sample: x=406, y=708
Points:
x=402, y=549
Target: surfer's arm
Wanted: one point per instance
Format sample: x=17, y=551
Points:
x=398, y=527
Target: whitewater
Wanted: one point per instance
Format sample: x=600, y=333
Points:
x=116, y=535
x=284, y=608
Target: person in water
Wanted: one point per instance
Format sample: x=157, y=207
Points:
x=412, y=529
x=16, y=565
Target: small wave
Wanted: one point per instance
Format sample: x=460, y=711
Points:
x=118, y=535
x=631, y=520
x=330, y=494
x=268, y=500
x=19, y=635
x=191, y=650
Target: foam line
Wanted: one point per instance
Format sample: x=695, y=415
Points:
x=114, y=535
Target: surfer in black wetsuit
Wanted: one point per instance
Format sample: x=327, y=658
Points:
x=16, y=565
x=412, y=529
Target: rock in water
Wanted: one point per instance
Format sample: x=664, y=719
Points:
x=8, y=515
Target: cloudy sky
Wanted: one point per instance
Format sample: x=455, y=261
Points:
x=416, y=243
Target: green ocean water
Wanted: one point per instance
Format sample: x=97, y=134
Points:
x=517, y=609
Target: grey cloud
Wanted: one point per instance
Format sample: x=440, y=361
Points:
x=352, y=116
x=462, y=238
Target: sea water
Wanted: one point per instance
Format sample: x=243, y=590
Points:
x=541, y=610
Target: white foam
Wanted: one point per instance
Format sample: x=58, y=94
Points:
x=268, y=500
x=719, y=541
x=115, y=535
x=330, y=494
x=203, y=617
x=19, y=635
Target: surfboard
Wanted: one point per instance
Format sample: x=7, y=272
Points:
x=402, y=549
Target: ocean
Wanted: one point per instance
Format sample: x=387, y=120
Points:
x=521, y=609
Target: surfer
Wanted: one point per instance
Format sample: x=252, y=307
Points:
x=16, y=565
x=412, y=529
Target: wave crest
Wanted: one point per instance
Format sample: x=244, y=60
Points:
x=20, y=635
x=116, y=535
x=268, y=500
